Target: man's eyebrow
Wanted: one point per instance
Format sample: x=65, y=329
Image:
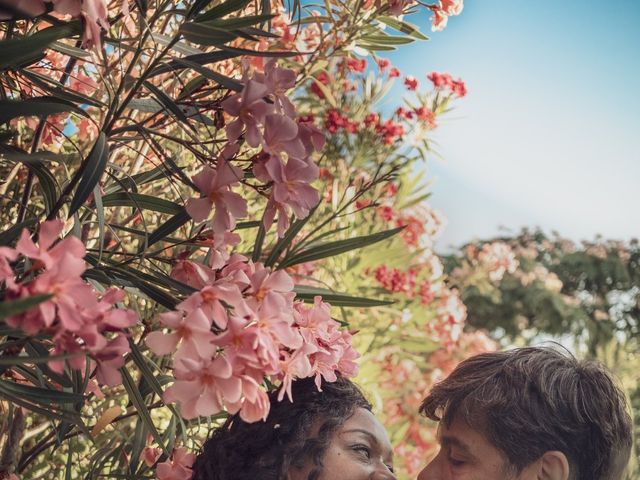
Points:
x=448, y=441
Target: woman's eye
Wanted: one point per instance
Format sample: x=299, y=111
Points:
x=362, y=450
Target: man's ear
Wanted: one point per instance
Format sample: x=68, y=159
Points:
x=553, y=465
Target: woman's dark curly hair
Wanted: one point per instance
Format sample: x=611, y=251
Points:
x=266, y=450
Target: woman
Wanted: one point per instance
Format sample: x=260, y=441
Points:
x=324, y=435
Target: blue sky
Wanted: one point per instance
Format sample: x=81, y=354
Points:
x=549, y=134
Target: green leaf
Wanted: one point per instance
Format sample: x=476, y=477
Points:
x=258, y=53
x=9, y=308
x=19, y=52
x=141, y=201
x=223, y=80
x=204, y=34
x=58, y=91
x=93, y=170
x=337, y=299
x=168, y=227
x=404, y=27
x=386, y=40
x=48, y=184
x=223, y=9
x=200, y=59
x=375, y=48
x=287, y=239
x=141, y=407
x=257, y=245
x=43, y=396
x=239, y=22
x=54, y=414
x=8, y=236
x=331, y=249
x=36, y=107
x=168, y=103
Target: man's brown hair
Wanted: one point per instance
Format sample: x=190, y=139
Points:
x=528, y=401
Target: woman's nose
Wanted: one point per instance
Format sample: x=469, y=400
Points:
x=383, y=472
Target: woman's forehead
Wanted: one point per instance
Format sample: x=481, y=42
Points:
x=365, y=423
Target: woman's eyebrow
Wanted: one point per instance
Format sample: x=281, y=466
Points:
x=366, y=433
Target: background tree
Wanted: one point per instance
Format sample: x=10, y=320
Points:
x=531, y=287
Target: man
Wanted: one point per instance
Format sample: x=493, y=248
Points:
x=528, y=414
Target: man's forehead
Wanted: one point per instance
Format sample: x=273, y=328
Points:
x=446, y=438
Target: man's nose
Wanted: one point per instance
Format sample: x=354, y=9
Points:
x=430, y=472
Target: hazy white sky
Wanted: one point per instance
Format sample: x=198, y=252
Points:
x=549, y=134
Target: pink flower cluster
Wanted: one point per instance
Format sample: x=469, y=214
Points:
x=92, y=12
x=266, y=118
x=444, y=80
x=79, y=319
x=241, y=326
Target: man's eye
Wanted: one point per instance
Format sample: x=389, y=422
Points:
x=456, y=462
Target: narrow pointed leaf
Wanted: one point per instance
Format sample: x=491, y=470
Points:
x=36, y=107
x=93, y=170
x=141, y=201
x=168, y=227
x=337, y=299
x=9, y=308
x=223, y=9
x=168, y=103
x=331, y=249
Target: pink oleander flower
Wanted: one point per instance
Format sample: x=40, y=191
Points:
x=178, y=467
x=251, y=109
x=330, y=349
x=411, y=82
x=278, y=81
x=94, y=15
x=192, y=273
x=110, y=359
x=255, y=405
x=383, y=63
x=191, y=331
x=150, y=455
x=277, y=284
x=210, y=300
x=458, y=88
x=451, y=7
x=396, y=7
x=281, y=136
x=46, y=252
x=219, y=254
x=30, y=8
x=71, y=295
x=292, y=184
x=203, y=385
x=440, y=80
x=216, y=184
x=438, y=20
x=311, y=136
x=291, y=189
x=394, y=72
